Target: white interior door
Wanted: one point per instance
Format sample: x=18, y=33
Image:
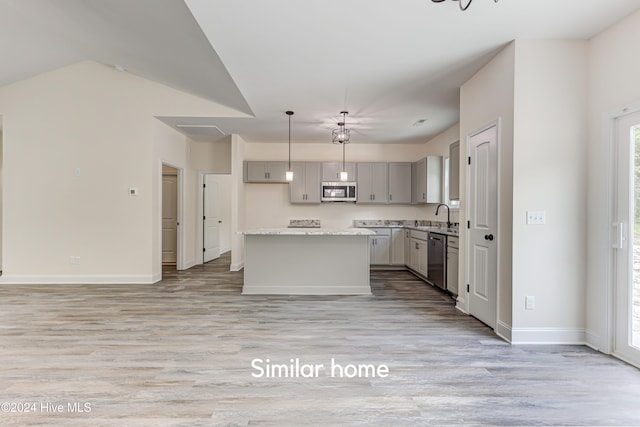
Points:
x=627, y=241
x=483, y=212
x=212, y=218
x=169, y=218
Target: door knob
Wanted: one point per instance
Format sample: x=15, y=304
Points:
x=488, y=237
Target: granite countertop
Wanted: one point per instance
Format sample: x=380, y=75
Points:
x=406, y=224
x=308, y=232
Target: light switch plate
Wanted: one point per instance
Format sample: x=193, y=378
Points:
x=536, y=217
x=530, y=302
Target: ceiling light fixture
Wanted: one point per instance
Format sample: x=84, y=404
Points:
x=464, y=4
x=342, y=135
x=289, y=173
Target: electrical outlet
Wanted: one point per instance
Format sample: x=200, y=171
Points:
x=536, y=217
x=530, y=302
x=75, y=260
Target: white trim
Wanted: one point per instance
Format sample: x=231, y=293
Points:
x=548, y=336
x=200, y=222
x=180, y=263
x=237, y=267
x=591, y=340
x=307, y=290
x=504, y=331
x=461, y=303
x=489, y=125
x=97, y=279
x=190, y=263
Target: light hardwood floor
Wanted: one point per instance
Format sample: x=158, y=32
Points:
x=179, y=353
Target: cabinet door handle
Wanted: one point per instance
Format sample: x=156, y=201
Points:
x=417, y=246
x=390, y=196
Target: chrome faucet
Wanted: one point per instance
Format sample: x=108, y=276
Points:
x=448, y=213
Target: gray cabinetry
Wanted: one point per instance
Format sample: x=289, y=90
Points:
x=305, y=187
x=372, y=179
x=428, y=180
x=452, y=264
x=400, y=183
x=419, y=252
x=380, y=246
x=454, y=171
x=331, y=171
x=265, y=171
x=407, y=247
x=397, y=246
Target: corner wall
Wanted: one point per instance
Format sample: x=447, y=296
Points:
x=549, y=174
x=486, y=97
x=75, y=140
x=614, y=68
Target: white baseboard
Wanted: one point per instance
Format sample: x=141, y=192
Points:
x=504, y=331
x=548, y=336
x=237, y=267
x=188, y=264
x=105, y=279
x=461, y=305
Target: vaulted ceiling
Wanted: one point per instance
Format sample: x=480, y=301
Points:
x=389, y=63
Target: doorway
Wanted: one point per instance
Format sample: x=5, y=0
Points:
x=214, y=205
x=482, y=249
x=627, y=240
x=170, y=215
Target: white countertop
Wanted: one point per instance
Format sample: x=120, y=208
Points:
x=433, y=229
x=309, y=232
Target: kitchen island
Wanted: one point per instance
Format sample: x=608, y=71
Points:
x=307, y=261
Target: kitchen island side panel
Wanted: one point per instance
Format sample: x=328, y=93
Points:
x=306, y=265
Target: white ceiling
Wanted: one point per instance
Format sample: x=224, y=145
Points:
x=389, y=63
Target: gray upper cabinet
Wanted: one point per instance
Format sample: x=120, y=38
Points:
x=372, y=183
x=305, y=187
x=331, y=171
x=454, y=171
x=265, y=171
x=400, y=183
x=427, y=186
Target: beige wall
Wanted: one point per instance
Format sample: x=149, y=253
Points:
x=549, y=174
x=1, y=208
x=488, y=96
x=614, y=68
x=238, y=202
x=91, y=118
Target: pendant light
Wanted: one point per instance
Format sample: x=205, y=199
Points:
x=342, y=135
x=289, y=173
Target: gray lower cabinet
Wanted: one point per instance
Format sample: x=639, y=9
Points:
x=331, y=171
x=452, y=264
x=427, y=185
x=407, y=247
x=380, y=247
x=372, y=179
x=305, y=187
x=400, y=183
x=397, y=246
x=419, y=252
x=265, y=171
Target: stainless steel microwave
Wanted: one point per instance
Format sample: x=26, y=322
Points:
x=339, y=191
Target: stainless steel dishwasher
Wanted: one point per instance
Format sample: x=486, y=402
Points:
x=437, y=260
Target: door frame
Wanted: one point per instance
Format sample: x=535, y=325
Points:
x=611, y=305
x=500, y=328
x=199, y=222
x=180, y=262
